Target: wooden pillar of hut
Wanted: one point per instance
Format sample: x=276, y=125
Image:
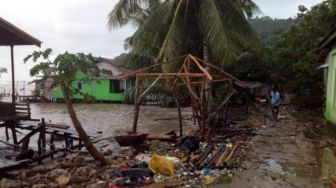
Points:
x=179, y=112
x=13, y=74
x=136, y=104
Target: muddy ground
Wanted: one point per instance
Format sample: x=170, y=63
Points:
x=295, y=151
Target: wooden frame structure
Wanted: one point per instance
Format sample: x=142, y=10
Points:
x=194, y=74
x=10, y=35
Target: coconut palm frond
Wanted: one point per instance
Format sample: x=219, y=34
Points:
x=227, y=30
x=248, y=7
x=217, y=35
x=150, y=33
x=181, y=36
x=123, y=12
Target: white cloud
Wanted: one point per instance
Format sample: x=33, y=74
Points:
x=283, y=8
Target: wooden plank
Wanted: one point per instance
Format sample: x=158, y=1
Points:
x=10, y=165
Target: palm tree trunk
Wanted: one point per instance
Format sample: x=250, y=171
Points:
x=206, y=58
x=81, y=132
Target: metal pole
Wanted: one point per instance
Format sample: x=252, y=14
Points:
x=13, y=74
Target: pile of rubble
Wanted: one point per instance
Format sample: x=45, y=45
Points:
x=188, y=162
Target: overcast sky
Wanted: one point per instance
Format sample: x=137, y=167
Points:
x=81, y=26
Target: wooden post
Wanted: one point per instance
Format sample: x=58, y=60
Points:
x=13, y=74
x=28, y=109
x=136, y=104
x=6, y=129
x=43, y=137
x=66, y=140
x=12, y=127
x=52, y=146
x=179, y=113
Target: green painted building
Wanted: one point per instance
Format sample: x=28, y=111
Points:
x=108, y=87
x=328, y=56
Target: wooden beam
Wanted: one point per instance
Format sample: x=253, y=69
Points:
x=227, y=98
x=152, y=66
x=150, y=87
x=179, y=112
x=210, y=81
x=193, y=95
x=171, y=74
x=136, y=104
x=209, y=77
x=173, y=85
x=13, y=73
x=217, y=68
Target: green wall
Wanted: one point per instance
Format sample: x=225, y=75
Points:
x=330, y=112
x=98, y=89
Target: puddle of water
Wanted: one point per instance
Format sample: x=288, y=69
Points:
x=328, y=162
x=272, y=166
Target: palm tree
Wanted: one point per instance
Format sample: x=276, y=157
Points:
x=63, y=70
x=216, y=30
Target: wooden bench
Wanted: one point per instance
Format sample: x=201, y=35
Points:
x=22, y=111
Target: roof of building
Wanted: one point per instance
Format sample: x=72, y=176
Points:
x=12, y=35
x=117, y=65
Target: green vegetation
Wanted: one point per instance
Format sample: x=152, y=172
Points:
x=270, y=29
x=2, y=70
x=293, y=57
x=215, y=30
x=63, y=71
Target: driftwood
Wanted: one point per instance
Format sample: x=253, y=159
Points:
x=12, y=145
x=161, y=137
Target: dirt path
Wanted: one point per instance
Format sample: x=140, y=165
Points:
x=280, y=156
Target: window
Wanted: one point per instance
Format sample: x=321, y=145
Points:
x=79, y=86
x=114, y=86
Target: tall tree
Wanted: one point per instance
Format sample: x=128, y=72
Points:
x=216, y=30
x=293, y=57
x=64, y=70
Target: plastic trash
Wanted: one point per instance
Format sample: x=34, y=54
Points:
x=189, y=144
x=161, y=165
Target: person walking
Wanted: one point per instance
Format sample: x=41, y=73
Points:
x=275, y=101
